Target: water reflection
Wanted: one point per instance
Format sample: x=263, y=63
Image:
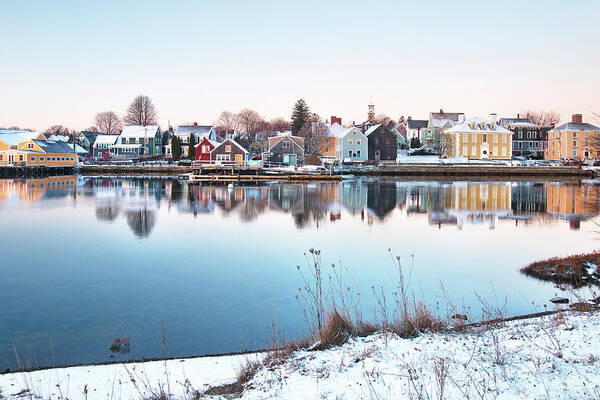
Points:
x=374, y=200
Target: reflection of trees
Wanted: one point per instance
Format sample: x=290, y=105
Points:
x=107, y=212
x=176, y=191
x=141, y=221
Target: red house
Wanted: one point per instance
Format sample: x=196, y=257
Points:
x=203, y=150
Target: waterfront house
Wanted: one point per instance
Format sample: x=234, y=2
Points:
x=574, y=139
x=229, y=151
x=199, y=132
x=203, y=150
x=437, y=124
x=478, y=139
x=327, y=145
x=382, y=143
x=88, y=138
x=351, y=145
x=136, y=141
x=413, y=129
x=104, y=144
x=31, y=149
x=285, y=149
x=528, y=139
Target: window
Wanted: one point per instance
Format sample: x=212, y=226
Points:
x=474, y=138
x=495, y=150
x=228, y=148
x=20, y=157
x=504, y=138
x=465, y=151
x=30, y=145
x=1, y=157
x=575, y=143
x=349, y=153
x=358, y=153
x=503, y=151
x=465, y=138
x=32, y=158
x=358, y=142
x=473, y=150
x=520, y=134
x=286, y=144
x=574, y=153
x=350, y=142
x=484, y=138
x=223, y=157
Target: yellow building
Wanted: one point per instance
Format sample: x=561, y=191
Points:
x=478, y=139
x=574, y=140
x=475, y=203
x=32, y=149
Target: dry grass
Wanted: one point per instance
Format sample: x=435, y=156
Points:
x=571, y=270
x=418, y=319
x=337, y=330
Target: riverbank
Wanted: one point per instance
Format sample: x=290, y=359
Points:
x=577, y=270
x=555, y=356
x=428, y=171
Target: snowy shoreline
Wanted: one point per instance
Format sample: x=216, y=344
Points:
x=553, y=356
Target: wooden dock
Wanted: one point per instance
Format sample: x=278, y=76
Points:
x=225, y=179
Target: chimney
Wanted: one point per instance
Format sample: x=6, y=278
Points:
x=518, y=115
x=461, y=118
x=335, y=119
x=409, y=118
x=576, y=119
x=363, y=127
x=195, y=124
x=441, y=111
x=493, y=117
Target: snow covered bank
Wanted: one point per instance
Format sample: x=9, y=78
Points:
x=555, y=357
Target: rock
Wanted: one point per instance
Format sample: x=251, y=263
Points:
x=559, y=300
x=569, y=328
x=461, y=317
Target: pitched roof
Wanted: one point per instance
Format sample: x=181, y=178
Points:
x=337, y=130
x=213, y=142
x=478, y=125
x=59, y=138
x=372, y=129
x=439, y=119
x=273, y=140
x=197, y=130
x=571, y=127
x=51, y=146
x=14, y=137
x=416, y=124
x=91, y=136
x=138, y=131
x=106, y=139
x=233, y=142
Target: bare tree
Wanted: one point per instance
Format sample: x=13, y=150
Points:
x=384, y=119
x=228, y=121
x=59, y=130
x=141, y=111
x=314, y=133
x=108, y=122
x=280, y=125
x=250, y=123
x=543, y=118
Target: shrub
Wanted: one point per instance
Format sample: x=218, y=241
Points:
x=337, y=330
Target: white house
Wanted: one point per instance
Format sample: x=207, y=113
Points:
x=351, y=144
x=103, y=143
x=200, y=132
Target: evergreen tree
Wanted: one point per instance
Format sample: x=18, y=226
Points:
x=300, y=114
x=191, y=148
x=175, y=148
x=415, y=143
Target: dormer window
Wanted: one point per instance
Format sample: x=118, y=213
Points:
x=492, y=127
x=472, y=125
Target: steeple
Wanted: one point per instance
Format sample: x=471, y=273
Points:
x=371, y=113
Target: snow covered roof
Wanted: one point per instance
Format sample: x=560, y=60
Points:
x=478, y=125
x=197, y=130
x=372, y=129
x=571, y=127
x=138, y=131
x=106, y=139
x=337, y=130
x=232, y=142
x=416, y=124
x=59, y=138
x=511, y=121
x=213, y=142
x=273, y=140
x=91, y=136
x=50, y=146
x=521, y=124
x=440, y=119
x=14, y=137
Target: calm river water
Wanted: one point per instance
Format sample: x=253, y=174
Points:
x=87, y=260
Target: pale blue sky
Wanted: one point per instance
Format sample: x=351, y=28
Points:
x=63, y=61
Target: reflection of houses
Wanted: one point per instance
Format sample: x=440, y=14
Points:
x=381, y=198
x=354, y=196
x=528, y=198
x=37, y=189
x=475, y=203
x=572, y=202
